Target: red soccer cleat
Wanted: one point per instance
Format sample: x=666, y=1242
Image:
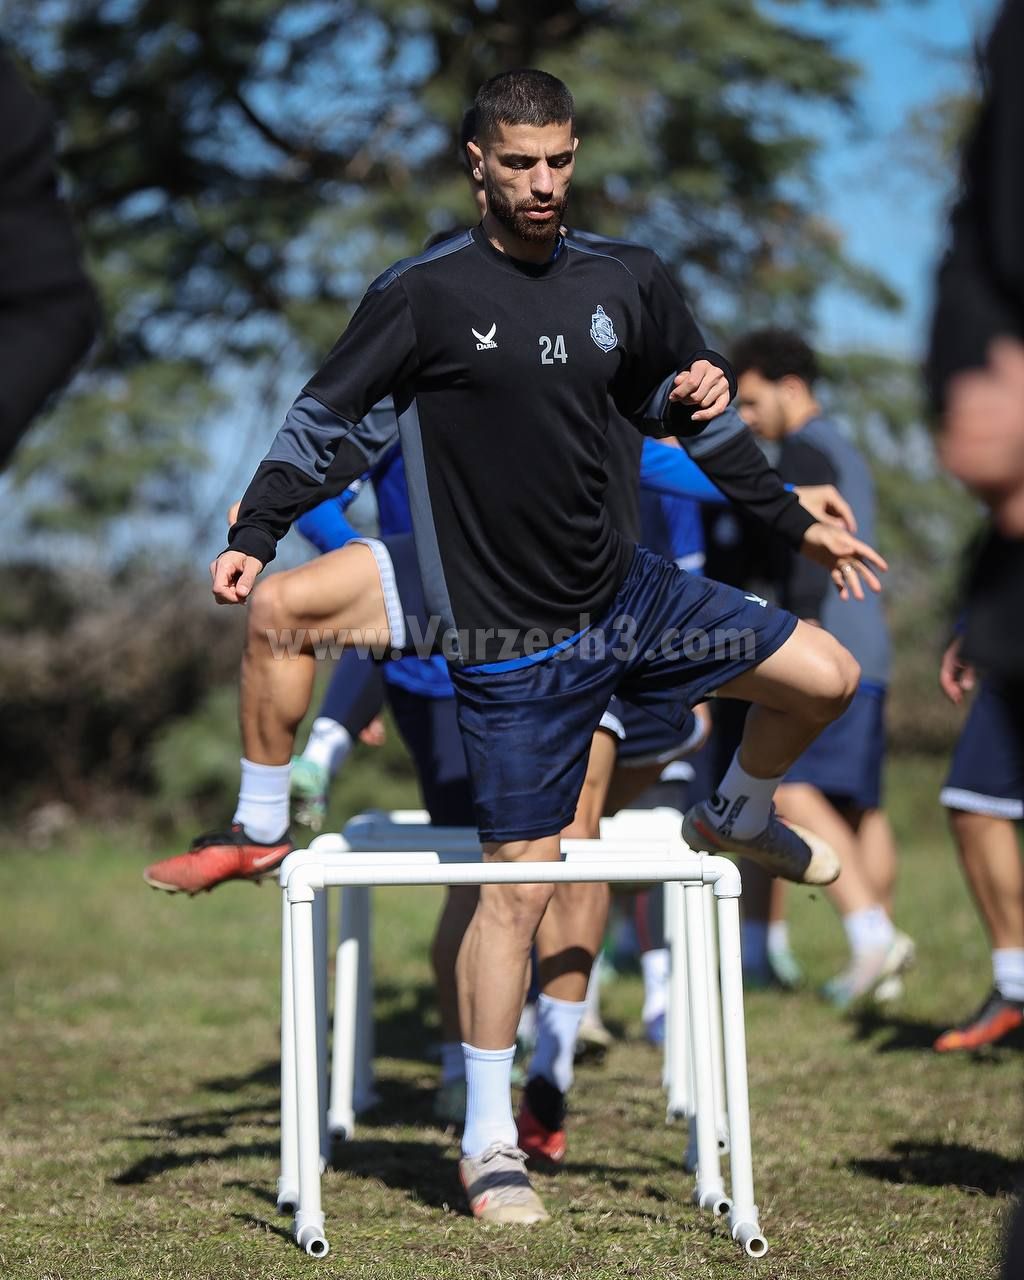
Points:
x=541, y=1122
x=215, y=857
x=996, y=1018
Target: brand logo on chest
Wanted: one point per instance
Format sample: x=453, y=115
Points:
x=485, y=341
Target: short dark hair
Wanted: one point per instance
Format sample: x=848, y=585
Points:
x=467, y=132
x=775, y=354
x=522, y=96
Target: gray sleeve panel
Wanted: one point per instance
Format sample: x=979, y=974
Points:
x=727, y=425
x=309, y=437
x=428, y=554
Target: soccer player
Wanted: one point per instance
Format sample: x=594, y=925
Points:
x=502, y=348
x=984, y=793
x=835, y=787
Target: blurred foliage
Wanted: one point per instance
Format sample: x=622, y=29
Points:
x=91, y=668
x=242, y=168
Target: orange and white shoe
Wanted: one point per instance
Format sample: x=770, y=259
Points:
x=996, y=1018
x=541, y=1122
x=215, y=857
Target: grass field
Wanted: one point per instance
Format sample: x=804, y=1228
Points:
x=139, y=1048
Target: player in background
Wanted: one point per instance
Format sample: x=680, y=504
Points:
x=984, y=793
x=835, y=787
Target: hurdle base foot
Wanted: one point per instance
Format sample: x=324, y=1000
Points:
x=747, y=1233
x=712, y=1198
x=309, y=1234
x=341, y=1125
x=287, y=1197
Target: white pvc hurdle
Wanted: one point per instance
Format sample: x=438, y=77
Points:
x=332, y=860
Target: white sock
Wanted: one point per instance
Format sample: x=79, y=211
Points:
x=1008, y=971
x=869, y=929
x=558, y=1021
x=740, y=804
x=593, y=1000
x=778, y=937
x=328, y=745
x=754, y=945
x=488, y=1099
x=453, y=1064
x=263, y=800
x=655, y=966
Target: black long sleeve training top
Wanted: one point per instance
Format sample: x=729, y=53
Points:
x=502, y=374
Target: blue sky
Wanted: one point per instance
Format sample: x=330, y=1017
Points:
x=890, y=211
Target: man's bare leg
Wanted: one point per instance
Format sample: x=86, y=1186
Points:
x=328, y=604
x=335, y=601
x=492, y=974
x=990, y=856
x=877, y=852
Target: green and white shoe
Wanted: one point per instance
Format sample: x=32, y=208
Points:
x=450, y=1105
x=869, y=970
x=309, y=786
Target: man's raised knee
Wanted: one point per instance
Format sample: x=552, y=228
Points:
x=837, y=686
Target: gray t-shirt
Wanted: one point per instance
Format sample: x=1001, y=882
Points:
x=819, y=453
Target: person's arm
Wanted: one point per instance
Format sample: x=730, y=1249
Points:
x=49, y=314
x=325, y=525
x=725, y=450
x=329, y=431
x=671, y=473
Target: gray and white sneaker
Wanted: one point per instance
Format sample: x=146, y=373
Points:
x=782, y=848
x=869, y=971
x=497, y=1187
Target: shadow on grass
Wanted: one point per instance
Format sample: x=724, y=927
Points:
x=942, y=1164
x=424, y=1170
x=153, y=1166
x=899, y=1034
x=250, y=1220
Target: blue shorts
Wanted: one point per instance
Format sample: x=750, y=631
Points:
x=845, y=760
x=430, y=730
x=643, y=739
x=987, y=771
x=669, y=639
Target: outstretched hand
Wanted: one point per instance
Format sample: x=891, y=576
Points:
x=234, y=574
x=827, y=505
x=704, y=385
x=849, y=561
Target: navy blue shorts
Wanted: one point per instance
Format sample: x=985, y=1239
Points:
x=845, y=760
x=669, y=639
x=430, y=730
x=987, y=771
x=643, y=739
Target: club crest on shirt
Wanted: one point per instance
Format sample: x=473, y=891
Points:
x=602, y=330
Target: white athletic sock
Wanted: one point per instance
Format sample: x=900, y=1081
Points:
x=488, y=1099
x=453, y=1064
x=869, y=929
x=329, y=744
x=1008, y=971
x=754, y=945
x=778, y=937
x=741, y=803
x=558, y=1021
x=593, y=1000
x=655, y=966
x=263, y=800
